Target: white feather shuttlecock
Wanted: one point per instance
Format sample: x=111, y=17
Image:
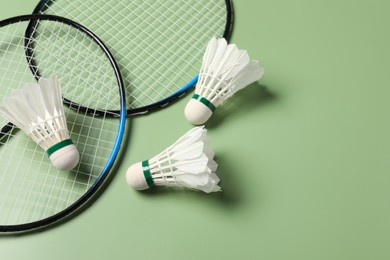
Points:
x=225, y=70
x=38, y=111
x=187, y=163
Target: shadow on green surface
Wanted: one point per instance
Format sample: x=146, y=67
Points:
x=244, y=101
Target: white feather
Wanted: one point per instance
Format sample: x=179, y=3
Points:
x=251, y=73
x=225, y=70
x=37, y=110
x=195, y=134
x=212, y=165
x=195, y=165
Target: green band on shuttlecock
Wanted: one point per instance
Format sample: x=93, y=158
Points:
x=205, y=102
x=58, y=146
x=147, y=174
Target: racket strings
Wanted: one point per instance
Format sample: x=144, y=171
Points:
x=9, y=43
x=78, y=61
x=158, y=44
x=78, y=65
x=31, y=189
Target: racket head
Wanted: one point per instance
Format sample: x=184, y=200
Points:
x=158, y=44
x=34, y=194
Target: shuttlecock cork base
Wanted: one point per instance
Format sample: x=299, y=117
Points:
x=138, y=176
x=198, y=110
x=64, y=155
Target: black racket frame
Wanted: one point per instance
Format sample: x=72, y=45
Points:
x=86, y=197
x=42, y=7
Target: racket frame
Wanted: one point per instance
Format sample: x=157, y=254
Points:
x=42, y=6
x=121, y=114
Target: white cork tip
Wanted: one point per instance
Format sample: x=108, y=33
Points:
x=135, y=177
x=65, y=158
x=196, y=112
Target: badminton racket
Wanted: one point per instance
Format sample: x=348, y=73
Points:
x=34, y=194
x=158, y=44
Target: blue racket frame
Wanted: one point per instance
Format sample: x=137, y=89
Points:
x=121, y=114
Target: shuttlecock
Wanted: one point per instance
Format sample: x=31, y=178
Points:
x=187, y=163
x=225, y=70
x=38, y=111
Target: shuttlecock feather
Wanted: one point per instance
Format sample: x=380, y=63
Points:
x=38, y=111
x=186, y=163
x=225, y=70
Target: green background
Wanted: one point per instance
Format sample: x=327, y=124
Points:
x=303, y=153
